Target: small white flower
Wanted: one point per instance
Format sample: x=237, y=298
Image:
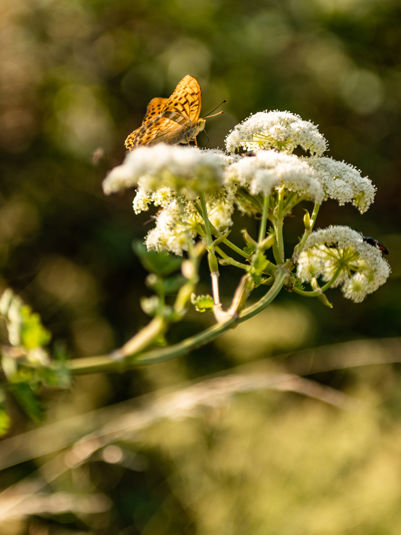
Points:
x=143, y=198
x=186, y=170
x=162, y=197
x=269, y=169
x=281, y=130
x=344, y=183
x=169, y=233
x=220, y=207
x=356, y=287
x=341, y=252
x=141, y=201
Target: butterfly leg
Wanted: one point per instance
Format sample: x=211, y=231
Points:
x=195, y=142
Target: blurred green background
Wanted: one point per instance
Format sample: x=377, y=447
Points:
x=75, y=77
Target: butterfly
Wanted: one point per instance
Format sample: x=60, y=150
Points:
x=171, y=120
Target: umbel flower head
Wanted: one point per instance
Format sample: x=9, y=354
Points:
x=279, y=130
x=269, y=170
x=339, y=254
x=186, y=170
x=180, y=221
x=343, y=183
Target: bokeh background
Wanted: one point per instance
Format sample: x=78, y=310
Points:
x=75, y=78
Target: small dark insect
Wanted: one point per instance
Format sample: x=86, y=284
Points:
x=376, y=243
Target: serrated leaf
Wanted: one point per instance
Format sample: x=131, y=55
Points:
x=202, y=302
x=160, y=263
x=260, y=263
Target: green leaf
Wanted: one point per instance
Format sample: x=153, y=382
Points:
x=4, y=417
x=5, y=421
x=27, y=400
x=202, y=302
x=171, y=285
x=33, y=334
x=250, y=242
x=260, y=263
x=160, y=263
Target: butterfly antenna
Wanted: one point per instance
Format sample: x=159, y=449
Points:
x=215, y=108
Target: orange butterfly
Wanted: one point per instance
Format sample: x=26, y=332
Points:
x=171, y=120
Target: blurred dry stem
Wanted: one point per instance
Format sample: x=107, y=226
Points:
x=113, y=422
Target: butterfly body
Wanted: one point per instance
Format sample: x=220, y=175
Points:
x=171, y=120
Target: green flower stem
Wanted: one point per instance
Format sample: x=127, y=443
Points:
x=220, y=315
x=262, y=228
x=234, y=247
x=231, y=262
x=213, y=265
x=158, y=325
x=320, y=291
x=292, y=200
x=218, y=311
x=227, y=260
x=246, y=284
x=223, y=239
x=278, y=229
x=103, y=363
x=307, y=232
x=277, y=220
x=190, y=270
x=142, y=339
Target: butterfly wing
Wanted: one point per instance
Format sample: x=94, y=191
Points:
x=184, y=103
x=155, y=107
x=167, y=120
x=144, y=134
x=158, y=130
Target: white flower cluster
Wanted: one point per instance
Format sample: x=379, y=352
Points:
x=187, y=170
x=143, y=199
x=270, y=169
x=179, y=221
x=313, y=177
x=172, y=231
x=172, y=177
x=281, y=130
x=340, y=253
x=344, y=183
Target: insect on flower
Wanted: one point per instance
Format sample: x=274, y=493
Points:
x=376, y=243
x=171, y=120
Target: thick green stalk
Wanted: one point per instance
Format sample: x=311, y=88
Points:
x=143, y=338
x=262, y=228
x=213, y=264
x=104, y=363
